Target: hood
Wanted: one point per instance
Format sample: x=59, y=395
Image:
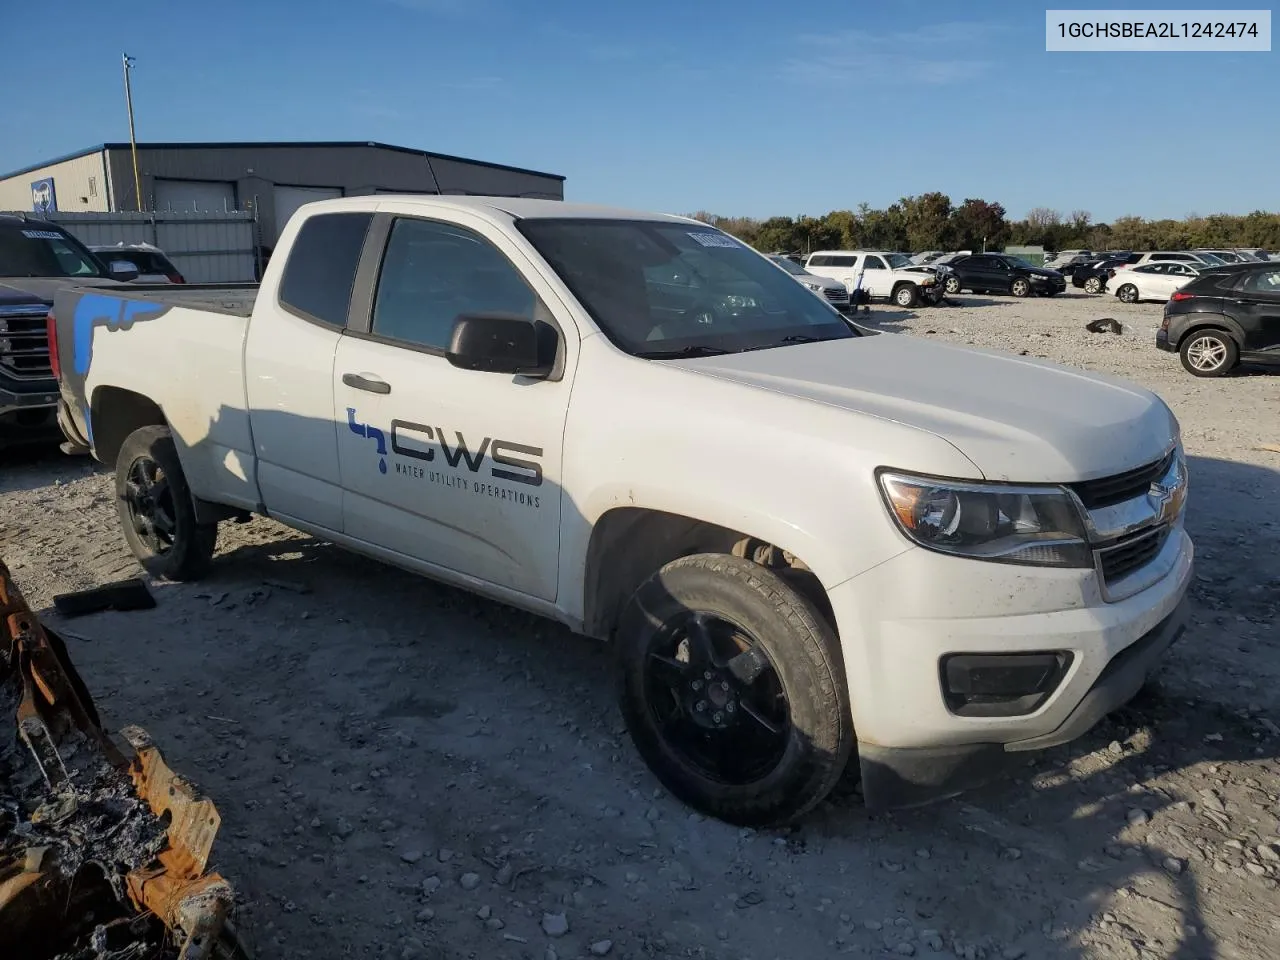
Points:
x=824, y=283
x=20, y=290
x=1016, y=419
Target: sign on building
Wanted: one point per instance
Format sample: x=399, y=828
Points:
x=43, y=198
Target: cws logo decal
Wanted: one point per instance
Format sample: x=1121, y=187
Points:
x=373, y=433
x=423, y=452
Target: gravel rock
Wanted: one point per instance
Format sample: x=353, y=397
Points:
x=425, y=914
x=1174, y=865
x=411, y=856
x=555, y=924
x=905, y=949
x=1137, y=817
x=469, y=881
x=601, y=948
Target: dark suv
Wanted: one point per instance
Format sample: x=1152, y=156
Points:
x=1001, y=273
x=1225, y=315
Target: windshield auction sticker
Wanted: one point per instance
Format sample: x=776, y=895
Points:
x=1154, y=31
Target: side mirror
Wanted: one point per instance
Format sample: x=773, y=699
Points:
x=122, y=270
x=502, y=343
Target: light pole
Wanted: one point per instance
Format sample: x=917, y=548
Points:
x=133, y=143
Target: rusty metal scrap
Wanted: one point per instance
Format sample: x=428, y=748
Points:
x=88, y=869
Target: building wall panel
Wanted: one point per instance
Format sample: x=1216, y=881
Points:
x=80, y=184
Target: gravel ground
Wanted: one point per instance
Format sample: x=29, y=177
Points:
x=406, y=771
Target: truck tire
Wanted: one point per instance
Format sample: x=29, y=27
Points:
x=733, y=689
x=906, y=295
x=1208, y=353
x=1020, y=287
x=156, y=509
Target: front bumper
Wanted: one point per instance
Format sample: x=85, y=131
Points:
x=28, y=417
x=900, y=619
x=1041, y=285
x=896, y=777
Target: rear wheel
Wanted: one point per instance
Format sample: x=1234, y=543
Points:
x=156, y=509
x=906, y=295
x=1093, y=285
x=733, y=689
x=1020, y=287
x=1208, y=353
x=1128, y=293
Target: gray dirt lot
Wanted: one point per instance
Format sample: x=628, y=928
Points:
x=406, y=771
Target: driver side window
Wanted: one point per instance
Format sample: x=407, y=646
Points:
x=432, y=272
x=873, y=263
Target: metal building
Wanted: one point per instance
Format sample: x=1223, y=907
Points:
x=271, y=179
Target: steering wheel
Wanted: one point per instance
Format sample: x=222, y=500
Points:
x=704, y=311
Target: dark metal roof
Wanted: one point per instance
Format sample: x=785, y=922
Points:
x=251, y=144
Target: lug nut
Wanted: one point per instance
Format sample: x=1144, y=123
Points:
x=729, y=707
x=700, y=706
x=717, y=717
x=724, y=686
x=706, y=675
x=697, y=684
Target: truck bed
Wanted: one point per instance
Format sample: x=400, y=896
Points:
x=234, y=299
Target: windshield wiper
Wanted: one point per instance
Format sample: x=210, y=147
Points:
x=697, y=350
x=790, y=338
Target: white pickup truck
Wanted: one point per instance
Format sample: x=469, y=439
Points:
x=879, y=274
x=806, y=542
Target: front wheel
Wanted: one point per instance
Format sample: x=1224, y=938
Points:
x=733, y=690
x=1128, y=293
x=156, y=509
x=906, y=295
x=1093, y=285
x=1020, y=288
x=953, y=285
x=1208, y=353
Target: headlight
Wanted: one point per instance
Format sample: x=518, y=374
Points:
x=1007, y=524
x=815, y=287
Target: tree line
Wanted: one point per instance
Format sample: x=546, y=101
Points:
x=932, y=222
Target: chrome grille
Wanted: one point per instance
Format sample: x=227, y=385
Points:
x=24, y=342
x=836, y=294
x=1108, y=491
x=1133, y=553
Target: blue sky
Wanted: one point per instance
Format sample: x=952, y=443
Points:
x=742, y=107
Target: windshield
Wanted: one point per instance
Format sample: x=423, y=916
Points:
x=897, y=260
x=661, y=289
x=32, y=249
x=1211, y=258
x=790, y=266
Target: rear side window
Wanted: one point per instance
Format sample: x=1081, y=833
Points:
x=844, y=262
x=1263, y=281
x=322, y=265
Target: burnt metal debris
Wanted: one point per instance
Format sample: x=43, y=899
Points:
x=103, y=849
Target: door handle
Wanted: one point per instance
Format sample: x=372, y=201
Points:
x=369, y=384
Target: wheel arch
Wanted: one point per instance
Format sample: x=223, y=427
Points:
x=114, y=413
x=1212, y=322
x=628, y=544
